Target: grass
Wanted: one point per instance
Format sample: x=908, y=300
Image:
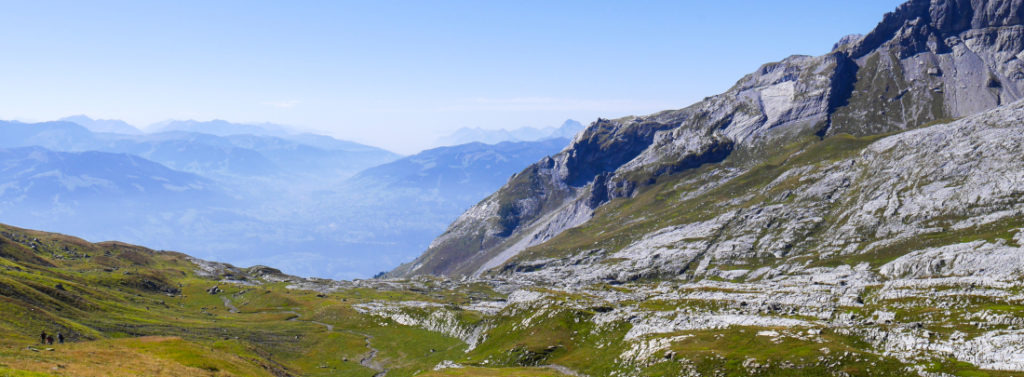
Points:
x=144, y=356
x=132, y=311
x=493, y=372
x=736, y=350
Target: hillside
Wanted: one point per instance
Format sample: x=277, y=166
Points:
x=128, y=310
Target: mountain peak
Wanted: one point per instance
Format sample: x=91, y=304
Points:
x=466, y=135
x=103, y=125
x=926, y=25
x=926, y=62
x=847, y=40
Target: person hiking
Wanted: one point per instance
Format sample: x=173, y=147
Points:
x=49, y=339
x=60, y=338
x=42, y=338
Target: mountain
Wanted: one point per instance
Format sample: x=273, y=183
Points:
x=869, y=200
x=469, y=167
x=248, y=209
x=103, y=125
x=927, y=62
x=233, y=156
x=100, y=194
x=392, y=211
x=296, y=204
x=37, y=173
x=567, y=130
x=58, y=135
x=220, y=127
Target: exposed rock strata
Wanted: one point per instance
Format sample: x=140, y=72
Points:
x=927, y=61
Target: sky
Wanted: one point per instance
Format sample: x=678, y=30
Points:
x=397, y=74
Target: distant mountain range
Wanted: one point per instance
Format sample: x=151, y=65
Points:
x=105, y=196
x=103, y=125
x=567, y=130
x=392, y=211
x=222, y=128
x=207, y=154
x=249, y=194
x=35, y=173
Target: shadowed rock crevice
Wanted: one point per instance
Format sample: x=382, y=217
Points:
x=844, y=81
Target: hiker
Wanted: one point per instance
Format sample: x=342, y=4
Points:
x=49, y=339
x=60, y=338
x=42, y=338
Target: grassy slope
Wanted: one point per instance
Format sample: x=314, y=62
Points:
x=127, y=310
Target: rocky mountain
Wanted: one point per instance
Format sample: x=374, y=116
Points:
x=861, y=256
x=927, y=62
x=567, y=130
x=870, y=199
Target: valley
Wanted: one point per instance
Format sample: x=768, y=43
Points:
x=856, y=213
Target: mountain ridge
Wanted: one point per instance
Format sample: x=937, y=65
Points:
x=863, y=88
x=466, y=135
x=103, y=125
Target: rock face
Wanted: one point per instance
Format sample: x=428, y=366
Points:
x=927, y=62
x=925, y=190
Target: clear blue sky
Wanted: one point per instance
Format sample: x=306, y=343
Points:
x=396, y=74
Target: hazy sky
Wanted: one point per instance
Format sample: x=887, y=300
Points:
x=397, y=74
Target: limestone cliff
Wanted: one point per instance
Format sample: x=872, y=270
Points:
x=926, y=62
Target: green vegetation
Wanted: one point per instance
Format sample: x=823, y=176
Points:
x=485, y=372
x=127, y=310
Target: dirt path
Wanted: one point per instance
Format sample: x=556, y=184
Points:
x=227, y=304
x=328, y=326
x=564, y=370
x=366, y=360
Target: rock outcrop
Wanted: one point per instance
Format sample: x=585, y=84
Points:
x=920, y=193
